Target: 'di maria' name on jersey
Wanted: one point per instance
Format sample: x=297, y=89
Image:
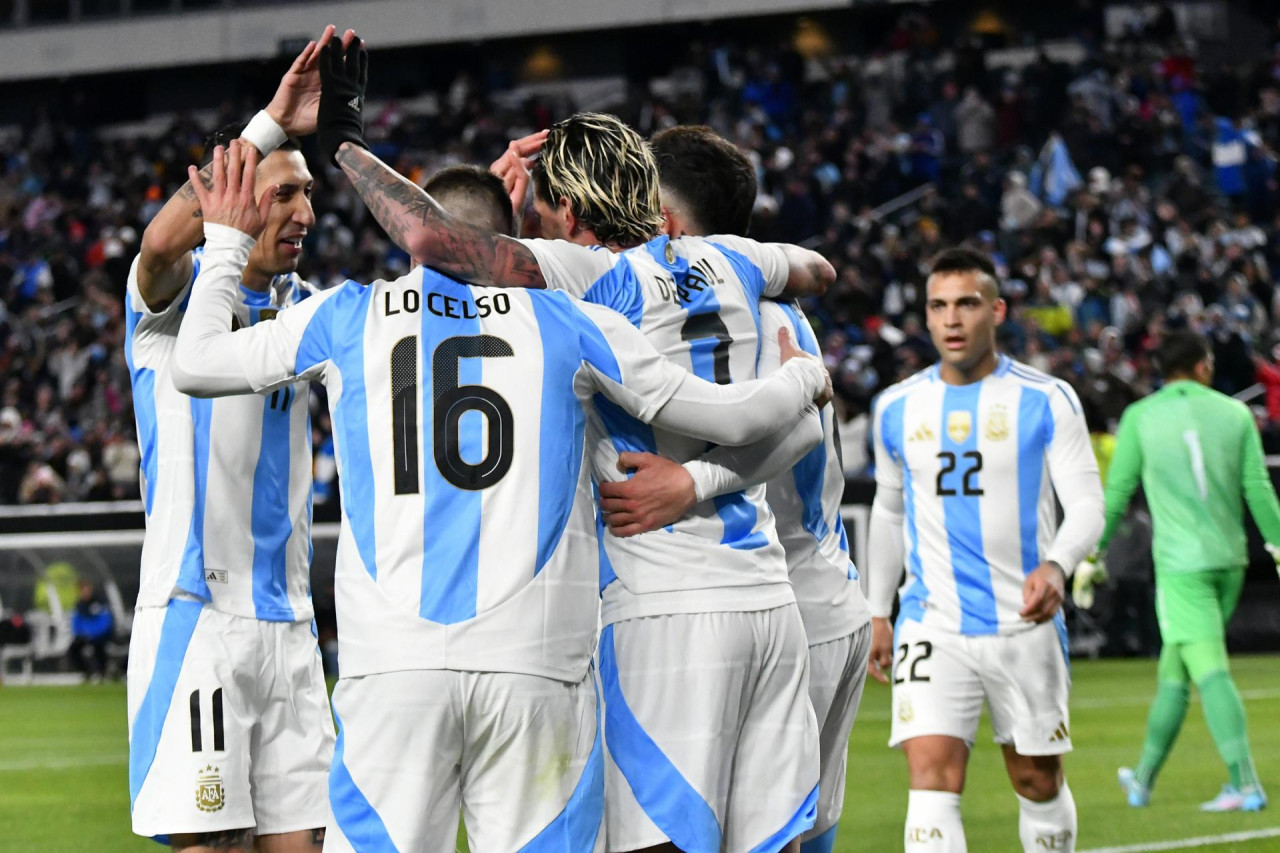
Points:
x=410, y=302
x=700, y=277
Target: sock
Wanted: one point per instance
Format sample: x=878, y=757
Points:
x=933, y=823
x=1224, y=712
x=1050, y=825
x=1168, y=710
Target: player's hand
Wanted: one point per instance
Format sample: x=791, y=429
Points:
x=344, y=71
x=1043, y=593
x=880, y=663
x=788, y=351
x=1091, y=572
x=1274, y=551
x=514, y=165
x=297, y=98
x=658, y=493
x=229, y=198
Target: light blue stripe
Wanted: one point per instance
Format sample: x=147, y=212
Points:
x=962, y=515
x=352, y=811
x=576, y=828
x=144, y=409
x=1033, y=405
x=269, y=519
x=824, y=843
x=1060, y=625
x=739, y=516
x=191, y=572
x=562, y=418
x=752, y=276
x=627, y=433
x=451, y=516
x=668, y=799
x=893, y=433
x=594, y=346
x=810, y=473
x=802, y=820
x=618, y=289
x=179, y=624
x=349, y=312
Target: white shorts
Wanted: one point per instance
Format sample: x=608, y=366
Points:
x=229, y=723
x=712, y=741
x=837, y=674
x=520, y=755
x=940, y=679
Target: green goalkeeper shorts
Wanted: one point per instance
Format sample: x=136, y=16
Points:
x=1194, y=606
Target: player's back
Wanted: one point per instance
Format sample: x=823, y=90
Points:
x=1193, y=440
x=806, y=503
x=697, y=301
x=226, y=482
x=469, y=523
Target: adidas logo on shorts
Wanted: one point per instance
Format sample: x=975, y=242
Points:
x=1060, y=733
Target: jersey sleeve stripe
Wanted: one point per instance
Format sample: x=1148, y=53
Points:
x=351, y=434
x=619, y=290
x=751, y=276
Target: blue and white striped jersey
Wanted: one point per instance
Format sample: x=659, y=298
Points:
x=806, y=502
x=226, y=483
x=460, y=418
x=697, y=301
x=978, y=465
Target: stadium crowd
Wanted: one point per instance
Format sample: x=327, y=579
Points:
x=1130, y=192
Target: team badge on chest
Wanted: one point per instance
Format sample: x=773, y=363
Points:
x=210, y=796
x=997, y=428
x=959, y=426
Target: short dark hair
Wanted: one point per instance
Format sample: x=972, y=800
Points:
x=475, y=196
x=714, y=181
x=606, y=171
x=962, y=259
x=1180, y=352
x=223, y=136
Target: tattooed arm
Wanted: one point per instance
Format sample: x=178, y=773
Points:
x=809, y=274
x=416, y=223
x=164, y=263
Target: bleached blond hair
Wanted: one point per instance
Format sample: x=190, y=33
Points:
x=608, y=174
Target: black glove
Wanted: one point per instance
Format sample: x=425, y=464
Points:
x=343, y=75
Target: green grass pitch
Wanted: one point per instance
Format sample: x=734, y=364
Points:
x=64, y=769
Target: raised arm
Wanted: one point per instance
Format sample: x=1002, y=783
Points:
x=164, y=263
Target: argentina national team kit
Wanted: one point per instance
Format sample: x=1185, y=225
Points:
x=711, y=739
x=972, y=462
x=465, y=409
x=225, y=683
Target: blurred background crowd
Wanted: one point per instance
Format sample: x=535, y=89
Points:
x=1124, y=186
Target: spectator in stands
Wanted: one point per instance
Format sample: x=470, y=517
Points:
x=91, y=627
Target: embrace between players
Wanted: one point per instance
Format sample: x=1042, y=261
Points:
x=482, y=436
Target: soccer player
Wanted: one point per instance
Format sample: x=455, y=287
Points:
x=230, y=732
x=709, y=187
x=467, y=577
x=691, y=614
x=1196, y=452
x=969, y=454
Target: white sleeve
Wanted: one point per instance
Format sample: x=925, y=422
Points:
x=724, y=470
x=1073, y=470
x=572, y=268
x=884, y=551
x=887, y=463
x=768, y=258
x=630, y=372
x=211, y=360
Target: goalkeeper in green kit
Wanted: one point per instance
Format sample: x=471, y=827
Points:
x=1197, y=452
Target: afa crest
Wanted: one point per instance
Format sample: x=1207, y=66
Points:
x=959, y=426
x=906, y=713
x=997, y=427
x=210, y=796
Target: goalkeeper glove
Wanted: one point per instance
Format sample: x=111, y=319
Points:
x=1274, y=551
x=1091, y=572
x=343, y=75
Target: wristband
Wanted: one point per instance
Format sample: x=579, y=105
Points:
x=263, y=133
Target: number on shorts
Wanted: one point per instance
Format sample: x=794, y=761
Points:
x=197, y=733
x=924, y=650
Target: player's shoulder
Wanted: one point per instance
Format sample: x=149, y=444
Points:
x=1057, y=391
x=919, y=382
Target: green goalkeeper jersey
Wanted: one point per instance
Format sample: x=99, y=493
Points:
x=1198, y=453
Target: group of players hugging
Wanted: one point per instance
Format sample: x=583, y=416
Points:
x=592, y=582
